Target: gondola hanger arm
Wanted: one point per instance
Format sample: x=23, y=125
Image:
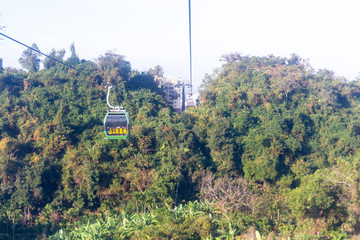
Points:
x=112, y=108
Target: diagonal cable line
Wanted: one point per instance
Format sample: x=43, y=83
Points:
x=33, y=49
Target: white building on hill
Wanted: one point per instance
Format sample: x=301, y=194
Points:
x=178, y=93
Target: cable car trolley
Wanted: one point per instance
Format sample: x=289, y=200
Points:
x=116, y=121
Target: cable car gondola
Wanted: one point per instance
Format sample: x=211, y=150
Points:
x=117, y=124
x=116, y=121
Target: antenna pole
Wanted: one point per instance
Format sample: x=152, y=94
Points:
x=190, y=47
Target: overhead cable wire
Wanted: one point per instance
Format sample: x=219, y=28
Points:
x=190, y=46
x=38, y=51
x=179, y=163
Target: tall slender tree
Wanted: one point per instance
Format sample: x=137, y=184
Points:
x=74, y=58
x=59, y=55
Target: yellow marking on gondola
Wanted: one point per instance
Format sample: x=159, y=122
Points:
x=117, y=131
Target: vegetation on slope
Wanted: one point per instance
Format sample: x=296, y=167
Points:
x=273, y=146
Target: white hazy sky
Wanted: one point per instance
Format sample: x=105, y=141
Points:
x=155, y=32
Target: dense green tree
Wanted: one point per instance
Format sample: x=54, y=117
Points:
x=58, y=55
x=273, y=145
x=73, y=60
x=157, y=72
x=114, y=68
x=30, y=59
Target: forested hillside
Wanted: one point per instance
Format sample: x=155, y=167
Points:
x=272, y=149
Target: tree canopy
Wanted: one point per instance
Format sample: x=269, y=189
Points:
x=271, y=147
x=30, y=59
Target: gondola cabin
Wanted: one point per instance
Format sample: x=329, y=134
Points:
x=117, y=124
x=190, y=106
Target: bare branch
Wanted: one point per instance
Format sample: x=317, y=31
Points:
x=232, y=194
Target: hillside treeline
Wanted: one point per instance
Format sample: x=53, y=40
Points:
x=272, y=147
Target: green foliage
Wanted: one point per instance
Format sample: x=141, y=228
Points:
x=272, y=147
x=194, y=220
x=114, y=68
x=50, y=62
x=315, y=197
x=73, y=60
x=30, y=59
